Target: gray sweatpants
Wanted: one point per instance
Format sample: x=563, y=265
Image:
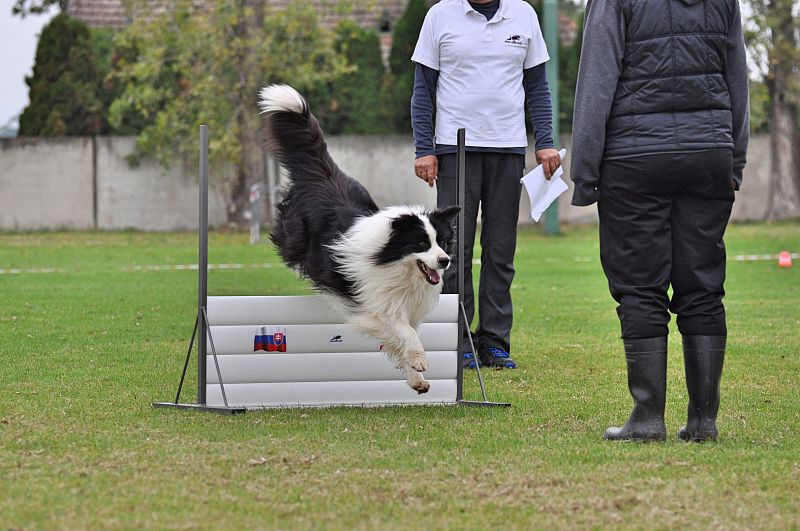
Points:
x=492, y=182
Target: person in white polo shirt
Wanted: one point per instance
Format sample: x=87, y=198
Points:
x=477, y=63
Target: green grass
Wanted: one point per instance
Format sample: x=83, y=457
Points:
x=85, y=351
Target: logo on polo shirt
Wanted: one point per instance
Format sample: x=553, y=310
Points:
x=515, y=40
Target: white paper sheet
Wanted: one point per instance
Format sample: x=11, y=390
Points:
x=541, y=191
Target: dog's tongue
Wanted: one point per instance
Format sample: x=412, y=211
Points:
x=434, y=275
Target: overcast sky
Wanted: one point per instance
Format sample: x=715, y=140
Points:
x=18, y=39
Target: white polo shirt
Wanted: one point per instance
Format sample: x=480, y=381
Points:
x=480, y=67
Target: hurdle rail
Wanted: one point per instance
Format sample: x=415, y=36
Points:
x=296, y=351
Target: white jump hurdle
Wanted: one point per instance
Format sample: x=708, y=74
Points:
x=318, y=360
x=261, y=352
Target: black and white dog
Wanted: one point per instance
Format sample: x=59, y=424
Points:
x=381, y=267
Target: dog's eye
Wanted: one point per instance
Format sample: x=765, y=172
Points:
x=423, y=244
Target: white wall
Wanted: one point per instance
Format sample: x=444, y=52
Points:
x=46, y=183
x=148, y=197
x=49, y=183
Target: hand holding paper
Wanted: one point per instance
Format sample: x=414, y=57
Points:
x=541, y=191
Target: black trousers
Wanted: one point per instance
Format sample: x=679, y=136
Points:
x=492, y=182
x=662, y=220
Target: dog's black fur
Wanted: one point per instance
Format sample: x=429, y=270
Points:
x=382, y=266
x=321, y=203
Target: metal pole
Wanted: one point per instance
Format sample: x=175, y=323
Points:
x=186, y=362
x=461, y=191
x=202, y=271
x=550, y=15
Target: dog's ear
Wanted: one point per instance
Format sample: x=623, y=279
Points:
x=447, y=214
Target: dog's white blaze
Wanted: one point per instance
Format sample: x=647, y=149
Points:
x=276, y=98
x=396, y=289
x=431, y=256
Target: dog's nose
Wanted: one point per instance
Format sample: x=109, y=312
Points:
x=444, y=261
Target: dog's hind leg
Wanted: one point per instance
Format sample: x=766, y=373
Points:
x=401, y=342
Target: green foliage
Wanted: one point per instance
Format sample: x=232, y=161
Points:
x=400, y=81
x=759, y=107
x=404, y=37
x=64, y=88
x=569, y=58
x=350, y=104
x=103, y=48
x=772, y=37
x=24, y=8
x=204, y=63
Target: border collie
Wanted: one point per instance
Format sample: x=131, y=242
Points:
x=381, y=267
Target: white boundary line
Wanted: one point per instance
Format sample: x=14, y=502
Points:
x=174, y=267
x=736, y=258
x=269, y=265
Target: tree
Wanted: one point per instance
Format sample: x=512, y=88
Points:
x=64, y=88
x=351, y=103
x=776, y=40
x=204, y=63
x=24, y=8
x=400, y=85
x=569, y=60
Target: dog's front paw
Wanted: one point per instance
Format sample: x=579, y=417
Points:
x=421, y=387
x=417, y=382
x=418, y=362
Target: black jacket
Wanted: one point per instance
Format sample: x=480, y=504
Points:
x=658, y=76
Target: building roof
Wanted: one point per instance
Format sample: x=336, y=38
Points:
x=381, y=15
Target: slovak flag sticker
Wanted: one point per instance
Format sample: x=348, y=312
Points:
x=270, y=339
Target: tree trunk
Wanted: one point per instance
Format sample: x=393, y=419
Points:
x=249, y=169
x=785, y=142
x=784, y=200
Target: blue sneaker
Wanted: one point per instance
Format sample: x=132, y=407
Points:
x=495, y=357
x=469, y=361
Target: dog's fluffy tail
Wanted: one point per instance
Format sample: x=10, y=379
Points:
x=292, y=134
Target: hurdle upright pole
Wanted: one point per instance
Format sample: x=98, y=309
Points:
x=201, y=330
x=202, y=269
x=461, y=193
x=463, y=325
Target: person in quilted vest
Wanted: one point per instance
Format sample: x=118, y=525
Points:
x=660, y=139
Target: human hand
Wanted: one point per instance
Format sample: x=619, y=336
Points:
x=550, y=161
x=426, y=168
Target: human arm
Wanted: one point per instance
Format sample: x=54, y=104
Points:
x=422, y=122
x=598, y=74
x=540, y=110
x=736, y=78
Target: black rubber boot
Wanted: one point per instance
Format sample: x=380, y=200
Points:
x=703, y=359
x=647, y=380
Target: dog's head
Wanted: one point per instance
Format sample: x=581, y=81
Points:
x=422, y=241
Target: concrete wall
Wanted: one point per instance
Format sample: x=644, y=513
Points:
x=148, y=197
x=48, y=183
x=385, y=166
x=753, y=197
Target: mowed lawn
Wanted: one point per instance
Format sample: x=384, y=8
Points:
x=85, y=350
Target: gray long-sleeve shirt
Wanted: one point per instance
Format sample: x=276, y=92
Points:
x=603, y=70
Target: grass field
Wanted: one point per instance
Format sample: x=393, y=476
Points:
x=86, y=349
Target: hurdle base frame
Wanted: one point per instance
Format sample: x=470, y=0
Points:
x=478, y=403
x=220, y=410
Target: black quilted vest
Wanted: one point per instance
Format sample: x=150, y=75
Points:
x=672, y=94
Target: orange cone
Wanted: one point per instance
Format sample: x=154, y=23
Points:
x=784, y=259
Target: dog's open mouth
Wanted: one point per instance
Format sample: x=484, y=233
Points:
x=431, y=275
